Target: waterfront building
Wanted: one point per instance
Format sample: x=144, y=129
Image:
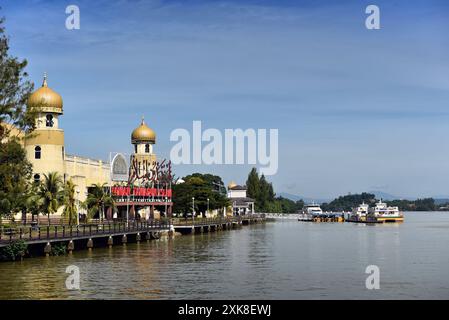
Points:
x=139, y=178
x=240, y=202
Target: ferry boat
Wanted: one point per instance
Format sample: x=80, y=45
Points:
x=312, y=209
x=359, y=213
x=383, y=213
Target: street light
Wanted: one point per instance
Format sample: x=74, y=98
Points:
x=77, y=208
x=193, y=208
x=127, y=209
x=166, y=206
x=207, y=206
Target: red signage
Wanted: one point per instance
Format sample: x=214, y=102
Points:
x=140, y=192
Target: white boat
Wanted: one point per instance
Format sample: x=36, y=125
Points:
x=381, y=212
x=359, y=213
x=312, y=209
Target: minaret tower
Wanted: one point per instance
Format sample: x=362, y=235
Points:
x=143, y=160
x=45, y=145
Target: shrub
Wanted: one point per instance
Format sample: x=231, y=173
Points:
x=14, y=250
x=59, y=249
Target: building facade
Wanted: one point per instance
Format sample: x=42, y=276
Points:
x=240, y=202
x=45, y=149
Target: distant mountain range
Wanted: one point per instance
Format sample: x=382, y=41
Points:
x=295, y=197
x=379, y=195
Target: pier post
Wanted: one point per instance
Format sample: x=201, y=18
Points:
x=90, y=244
x=138, y=237
x=201, y=230
x=124, y=239
x=110, y=241
x=47, y=249
x=70, y=246
x=148, y=236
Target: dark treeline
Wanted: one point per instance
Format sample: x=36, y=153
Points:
x=348, y=202
x=262, y=191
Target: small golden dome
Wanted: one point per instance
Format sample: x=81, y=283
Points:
x=46, y=99
x=143, y=134
x=232, y=184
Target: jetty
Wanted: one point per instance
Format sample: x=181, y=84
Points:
x=83, y=235
x=42, y=239
x=201, y=225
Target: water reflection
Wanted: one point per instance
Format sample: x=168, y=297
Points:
x=283, y=260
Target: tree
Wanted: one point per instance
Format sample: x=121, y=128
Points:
x=51, y=193
x=69, y=201
x=15, y=175
x=15, y=170
x=253, y=184
x=97, y=200
x=201, y=187
x=264, y=194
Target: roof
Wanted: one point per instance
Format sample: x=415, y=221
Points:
x=241, y=201
x=238, y=187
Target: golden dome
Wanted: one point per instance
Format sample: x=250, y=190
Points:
x=46, y=99
x=143, y=134
x=232, y=184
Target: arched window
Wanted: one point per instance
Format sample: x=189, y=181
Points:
x=147, y=148
x=36, y=178
x=49, y=122
x=37, y=152
x=135, y=148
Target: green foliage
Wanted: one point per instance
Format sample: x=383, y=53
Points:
x=262, y=192
x=201, y=187
x=51, y=194
x=427, y=204
x=98, y=200
x=348, y=202
x=15, y=175
x=59, y=249
x=252, y=184
x=14, y=250
x=15, y=170
x=69, y=201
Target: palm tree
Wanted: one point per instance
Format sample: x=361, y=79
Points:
x=97, y=200
x=50, y=193
x=69, y=201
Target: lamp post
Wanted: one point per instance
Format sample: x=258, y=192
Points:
x=207, y=212
x=166, y=199
x=193, y=209
x=77, y=207
x=127, y=209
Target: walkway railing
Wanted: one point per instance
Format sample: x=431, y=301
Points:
x=81, y=231
x=211, y=221
x=203, y=221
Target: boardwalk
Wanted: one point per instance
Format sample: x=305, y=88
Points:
x=200, y=225
x=43, y=239
x=55, y=233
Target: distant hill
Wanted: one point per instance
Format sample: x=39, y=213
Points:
x=379, y=194
x=295, y=197
x=441, y=201
x=385, y=196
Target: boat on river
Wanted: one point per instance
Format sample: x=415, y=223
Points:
x=359, y=213
x=381, y=212
x=313, y=212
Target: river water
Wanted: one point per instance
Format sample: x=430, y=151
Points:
x=276, y=260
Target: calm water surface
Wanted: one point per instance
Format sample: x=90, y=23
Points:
x=279, y=260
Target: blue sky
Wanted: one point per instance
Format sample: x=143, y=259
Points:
x=356, y=109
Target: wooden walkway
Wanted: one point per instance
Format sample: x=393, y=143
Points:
x=55, y=233
x=41, y=238
x=200, y=225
